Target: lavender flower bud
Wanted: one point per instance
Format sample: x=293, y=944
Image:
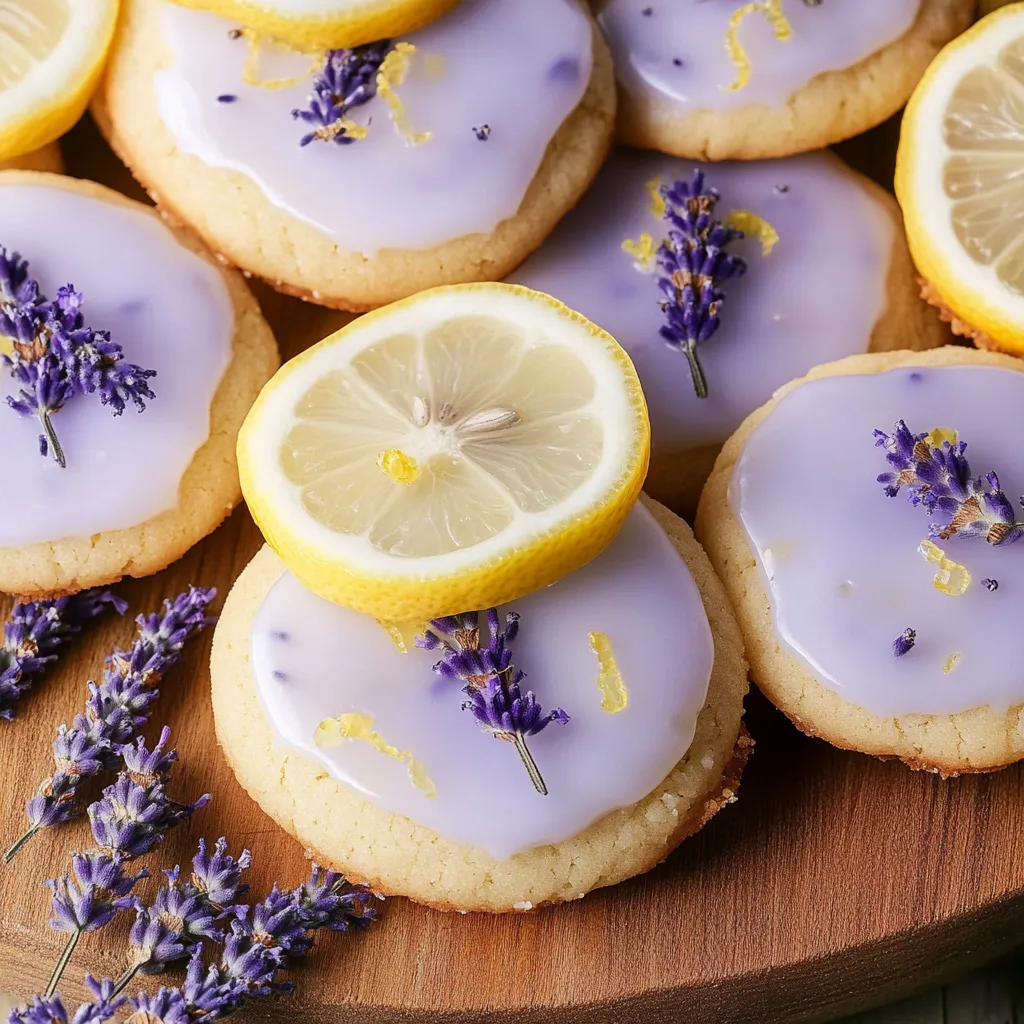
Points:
x=35, y=634
x=90, y=900
x=118, y=706
x=218, y=875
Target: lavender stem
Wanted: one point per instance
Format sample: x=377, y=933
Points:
x=62, y=963
x=530, y=765
x=700, y=384
x=125, y=980
x=51, y=438
x=19, y=843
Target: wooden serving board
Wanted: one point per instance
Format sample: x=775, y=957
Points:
x=835, y=883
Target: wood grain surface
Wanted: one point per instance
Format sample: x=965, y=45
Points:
x=835, y=883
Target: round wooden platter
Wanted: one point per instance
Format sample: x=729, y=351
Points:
x=836, y=882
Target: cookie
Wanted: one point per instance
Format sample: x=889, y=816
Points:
x=138, y=489
x=830, y=276
x=871, y=621
x=46, y=159
x=729, y=79
x=492, y=123
x=652, y=748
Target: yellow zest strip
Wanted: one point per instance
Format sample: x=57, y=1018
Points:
x=772, y=10
x=6, y=345
x=940, y=434
x=657, y=199
x=642, y=250
x=394, y=631
x=402, y=468
x=757, y=227
x=393, y=71
x=952, y=577
x=614, y=696
x=951, y=662
x=331, y=731
x=251, y=67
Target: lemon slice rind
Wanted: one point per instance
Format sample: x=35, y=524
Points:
x=52, y=95
x=310, y=30
x=534, y=549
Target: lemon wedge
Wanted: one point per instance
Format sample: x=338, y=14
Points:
x=51, y=55
x=312, y=25
x=450, y=452
x=960, y=178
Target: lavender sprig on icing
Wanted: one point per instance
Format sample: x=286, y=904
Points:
x=54, y=356
x=132, y=816
x=348, y=79
x=115, y=709
x=35, y=634
x=491, y=680
x=693, y=262
x=938, y=478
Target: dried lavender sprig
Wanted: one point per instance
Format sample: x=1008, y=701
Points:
x=263, y=940
x=35, y=634
x=55, y=356
x=115, y=709
x=132, y=816
x=347, y=79
x=491, y=680
x=183, y=913
x=694, y=262
x=50, y=1009
x=938, y=478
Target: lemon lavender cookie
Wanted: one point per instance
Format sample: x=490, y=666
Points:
x=337, y=727
x=130, y=362
x=367, y=175
x=865, y=525
x=720, y=79
x=823, y=272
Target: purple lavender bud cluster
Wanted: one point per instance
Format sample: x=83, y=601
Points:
x=131, y=817
x=35, y=634
x=261, y=940
x=490, y=679
x=693, y=262
x=50, y=1009
x=55, y=356
x=347, y=79
x=116, y=708
x=939, y=479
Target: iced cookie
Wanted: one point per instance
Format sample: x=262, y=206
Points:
x=336, y=726
x=870, y=551
x=827, y=274
x=441, y=157
x=124, y=471
x=46, y=159
x=725, y=79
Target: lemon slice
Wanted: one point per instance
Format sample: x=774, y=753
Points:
x=311, y=25
x=447, y=453
x=51, y=55
x=960, y=177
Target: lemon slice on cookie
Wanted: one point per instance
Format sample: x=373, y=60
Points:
x=51, y=56
x=450, y=452
x=960, y=179
x=312, y=25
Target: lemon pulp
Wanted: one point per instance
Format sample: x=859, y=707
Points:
x=29, y=32
x=983, y=128
x=497, y=427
